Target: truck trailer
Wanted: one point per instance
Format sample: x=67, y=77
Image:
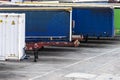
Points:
x=117, y=20
x=46, y=26
x=89, y=20
x=93, y=21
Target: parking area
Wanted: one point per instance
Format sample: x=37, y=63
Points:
x=96, y=57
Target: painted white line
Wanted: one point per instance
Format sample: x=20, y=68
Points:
x=80, y=75
x=92, y=57
x=36, y=77
x=106, y=64
x=107, y=77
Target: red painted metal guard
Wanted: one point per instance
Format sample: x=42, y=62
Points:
x=75, y=42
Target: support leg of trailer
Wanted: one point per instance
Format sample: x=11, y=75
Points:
x=86, y=38
x=35, y=55
x=98, y=38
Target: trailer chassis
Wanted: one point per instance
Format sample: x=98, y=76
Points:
x=36, y=46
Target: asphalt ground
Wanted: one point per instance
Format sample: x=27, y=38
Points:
x=100, y=58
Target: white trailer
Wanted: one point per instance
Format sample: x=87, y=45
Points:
x=12, y=34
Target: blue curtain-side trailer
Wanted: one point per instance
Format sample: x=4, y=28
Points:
x=46, y=26
x=93, y=21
